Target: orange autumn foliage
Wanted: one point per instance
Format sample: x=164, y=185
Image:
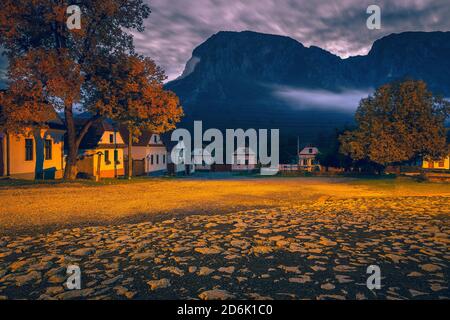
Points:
x=39, y=82
x=130, y=90
x=400, y=122
x=54, y=67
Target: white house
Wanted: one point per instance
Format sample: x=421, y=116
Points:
x=307, y=158
x=150, y=149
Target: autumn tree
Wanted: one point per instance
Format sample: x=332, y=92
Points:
x=329, y=155
x=38, y=82
x=51, y=64
x=131, y=87
x=401, y=122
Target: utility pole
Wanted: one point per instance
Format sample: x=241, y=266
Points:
x=99, y=165
x=8, y=155
x=115, y=150
x=130, y=154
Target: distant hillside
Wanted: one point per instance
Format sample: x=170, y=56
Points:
x=254, y=80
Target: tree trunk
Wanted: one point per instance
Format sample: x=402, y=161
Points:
x=98, y=176
x=130, y=158
x=73, y=142
x=70, y=172
x=8, y=155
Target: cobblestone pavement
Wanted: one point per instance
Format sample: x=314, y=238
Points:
x=319, y=250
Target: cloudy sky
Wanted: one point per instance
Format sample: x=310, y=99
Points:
x=176, y=27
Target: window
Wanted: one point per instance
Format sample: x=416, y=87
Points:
x=116, y=156
x=151, y=159
x=155, y=139
x=441, y=164
x=157, y=159
x=310, y=150
x=28, y=149
x=107, y=157
x=164, y=159
x=111, y=138
x=48, y=149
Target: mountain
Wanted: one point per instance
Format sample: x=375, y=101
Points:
x=253, y=80
x=416, y=55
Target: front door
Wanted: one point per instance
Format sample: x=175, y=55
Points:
x=431, y=164
x=2, y=163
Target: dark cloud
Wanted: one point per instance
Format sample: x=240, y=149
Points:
x=176, y=27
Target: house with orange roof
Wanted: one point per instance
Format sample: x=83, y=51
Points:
x=101, y=152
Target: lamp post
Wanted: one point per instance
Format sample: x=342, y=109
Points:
x=99, y=163
x=115, y=151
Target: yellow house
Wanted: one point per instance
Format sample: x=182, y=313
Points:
x=442, y=164
x=38, y=153
x=101, y=152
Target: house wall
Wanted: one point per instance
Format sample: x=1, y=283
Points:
x=156, y=139
x=38, y=167
x=145, y=152
x=137, y=152
x=105, y=139
x=89, y=163
x=307, y=160
x=160, y=154
x=109, y=170
x=86, y=165
x=440, y=165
